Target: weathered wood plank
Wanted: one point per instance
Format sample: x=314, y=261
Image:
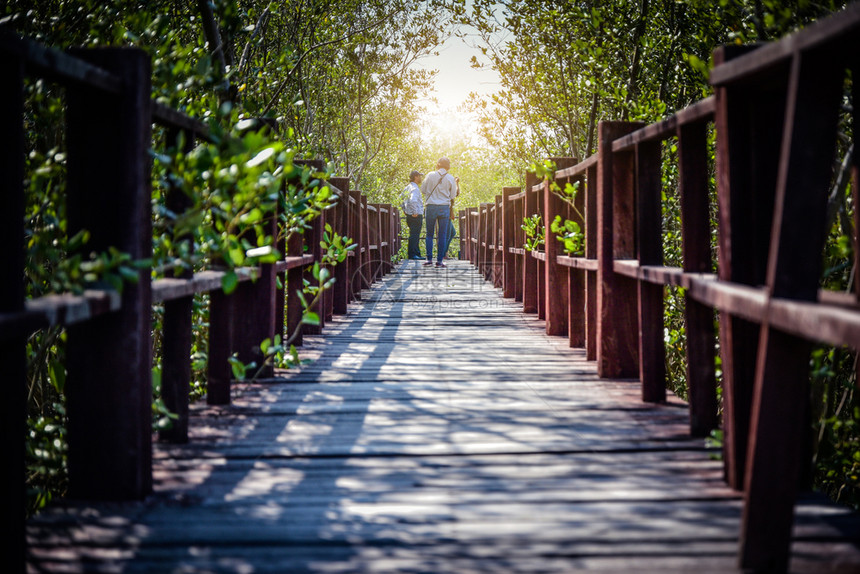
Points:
x=431, y=436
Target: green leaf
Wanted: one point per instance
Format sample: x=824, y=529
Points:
x=57, y=375
x=237, y=255
x=311, y=318
x=229, y=282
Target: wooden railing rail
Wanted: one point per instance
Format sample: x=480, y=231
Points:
x=109, y=131
x=775, y=113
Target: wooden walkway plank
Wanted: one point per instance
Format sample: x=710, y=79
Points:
x=439, y=429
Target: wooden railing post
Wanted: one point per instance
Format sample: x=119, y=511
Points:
x=312, y=238
x=13, y=352
x=555, y=276
x=365, y=272
x=649, y=247
x=617, y=321
x=479, y=235
x=255, y=320
x=591, y=283
x=490, y=235
x=109, y=384
x=780, y=413
x=219, y=374
x=341, y=226
x=327, y=302
x=577, y=292
x=519, y=241
x=355, y=261
x=693, y=175
x=749, y=120
x=386, y=240
x=497, y=242
x=293, y=285
x=177, y=328
x=508, y=241
x=398, y=230
x=541, y=263
x=530, y=264
x=461, y=225
x=472, y=214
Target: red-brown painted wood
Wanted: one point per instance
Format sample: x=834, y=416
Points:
x=365, y=273
x=576, y=277
x=12, y=352
x=109, y=383
x=293, y=286
x=498, y=235
x=778, y=428
x=591, y=289
x=855, y=192
x=693, y=175
x=340, y=298
x=555, y=276
x=357, y=226
x=749, y=120
x=617, y=321
x=530, y=264
x=509, y=223
x=649, y=244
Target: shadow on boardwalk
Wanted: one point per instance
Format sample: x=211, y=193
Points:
x=438, y=430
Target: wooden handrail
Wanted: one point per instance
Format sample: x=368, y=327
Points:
x=113, y=353
x=56, y=65
x=843, y=26
x=700, y=112
x=616, y=302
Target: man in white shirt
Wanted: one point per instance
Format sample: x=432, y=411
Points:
x=413, y=207
x=439, y=190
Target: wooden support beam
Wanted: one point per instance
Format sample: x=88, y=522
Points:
x=109, y=384
x=357, y=226
x=13, y=420
x=617, y=321
x=293, y=286
x=365, y=272
x=649, y=245
x=177, y=324
x=341, y=226
x=576, y=298
x=555, y=277
x=749, y=121
x=530, y=264
x=509, y=224
x=498, y=235
x=693, y=176
x=780, y=414
x=591, y=285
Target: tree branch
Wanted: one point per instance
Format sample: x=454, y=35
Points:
x=343, y=38
x=246, y=53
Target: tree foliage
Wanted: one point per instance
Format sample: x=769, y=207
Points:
x=566, y=65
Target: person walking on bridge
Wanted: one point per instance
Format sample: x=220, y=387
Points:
x=414, y=210
x=439, y=190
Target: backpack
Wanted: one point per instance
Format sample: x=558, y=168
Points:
x=407, y=193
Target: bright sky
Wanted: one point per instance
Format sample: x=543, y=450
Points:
x=454, y=81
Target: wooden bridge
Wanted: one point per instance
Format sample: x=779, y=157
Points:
x=506, y=414
x=439, y=429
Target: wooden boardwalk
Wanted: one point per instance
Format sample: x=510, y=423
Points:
x=438, y=430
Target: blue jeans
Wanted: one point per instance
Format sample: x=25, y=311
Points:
x=414, y=223
x=452, y=233
x=436, y=214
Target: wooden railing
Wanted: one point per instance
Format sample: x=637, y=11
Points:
x=775, y=112
x=109, y=119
